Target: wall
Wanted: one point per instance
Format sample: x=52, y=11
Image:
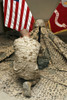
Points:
x=42, y=8
x=1, y=0
x=1, y=18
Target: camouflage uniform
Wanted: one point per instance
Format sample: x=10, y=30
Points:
x=26, y=52
x=52, y=48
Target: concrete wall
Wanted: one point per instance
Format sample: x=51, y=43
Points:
x=42, y=8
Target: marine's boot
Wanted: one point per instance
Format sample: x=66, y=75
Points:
x=27, y=89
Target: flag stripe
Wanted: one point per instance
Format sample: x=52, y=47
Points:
x=31, y=25
x=7, y=13
x=19, y=13
x=27, y=15
x=16, y=13
x=29, y=21
x=10, y=16
x=24, y=16
x=5, y=10
x=13, y=14
x=21, y=16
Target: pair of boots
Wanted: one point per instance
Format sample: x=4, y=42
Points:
x=27, y=86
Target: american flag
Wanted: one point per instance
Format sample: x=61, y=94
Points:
x=17, y=15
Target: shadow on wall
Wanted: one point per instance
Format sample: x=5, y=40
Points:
x=63, y=36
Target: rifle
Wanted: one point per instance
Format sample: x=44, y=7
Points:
x=39, y=34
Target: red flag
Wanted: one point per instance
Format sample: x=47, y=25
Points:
x=17, y=15
x=58, y=21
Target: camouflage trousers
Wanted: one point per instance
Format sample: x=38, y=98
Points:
x=53, y=50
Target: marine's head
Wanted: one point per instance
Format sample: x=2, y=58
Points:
x=24, y=32
x=39, y=22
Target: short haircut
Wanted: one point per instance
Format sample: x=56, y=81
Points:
x=24, y=32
